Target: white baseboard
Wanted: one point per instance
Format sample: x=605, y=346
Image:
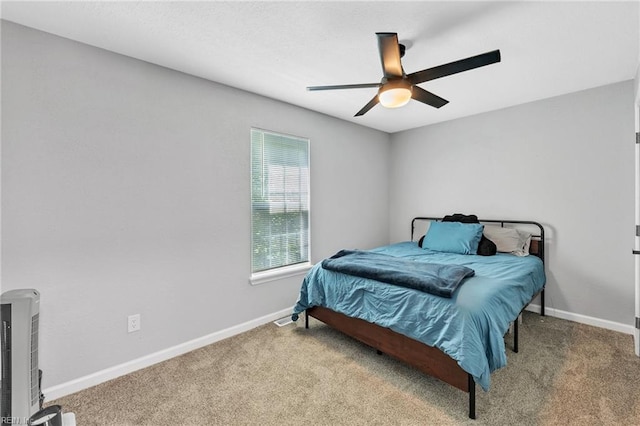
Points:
x=102, y=376
x=583, y=319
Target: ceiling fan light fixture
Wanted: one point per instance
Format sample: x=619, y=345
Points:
x=394, y=94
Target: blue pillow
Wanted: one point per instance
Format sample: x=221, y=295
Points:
x=453, y=237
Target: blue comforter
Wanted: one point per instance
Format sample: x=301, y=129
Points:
x=469, y=326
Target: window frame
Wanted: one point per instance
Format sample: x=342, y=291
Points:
x=292, y=269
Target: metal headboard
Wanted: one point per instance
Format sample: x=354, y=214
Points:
x=536, y=237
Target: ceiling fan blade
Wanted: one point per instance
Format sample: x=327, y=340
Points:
x=455, y=67
x=344, y=86
x=390, y=54
x=421, y=95
x=373, y=102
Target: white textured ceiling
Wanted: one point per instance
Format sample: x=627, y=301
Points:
x=276, y=49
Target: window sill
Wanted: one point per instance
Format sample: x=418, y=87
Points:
x=279, y=273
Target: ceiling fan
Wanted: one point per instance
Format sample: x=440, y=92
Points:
x=396, y=88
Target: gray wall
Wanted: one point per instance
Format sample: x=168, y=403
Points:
x=567, y=162
x=125, y=189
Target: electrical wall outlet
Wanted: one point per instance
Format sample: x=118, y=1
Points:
x=133, y=323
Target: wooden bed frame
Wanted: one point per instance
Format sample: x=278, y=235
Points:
x=427, y=359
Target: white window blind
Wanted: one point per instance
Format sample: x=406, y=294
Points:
x=279, y=200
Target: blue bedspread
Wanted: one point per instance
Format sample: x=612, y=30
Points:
x=434, y=278
x=469, y=326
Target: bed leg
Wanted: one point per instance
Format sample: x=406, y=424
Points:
x=515, y=334
x=472, y=397
x=306, y=319
x=542, y=303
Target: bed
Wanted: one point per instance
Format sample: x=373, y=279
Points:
x=457, y=339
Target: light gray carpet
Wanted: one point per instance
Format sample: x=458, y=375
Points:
x=565, y=374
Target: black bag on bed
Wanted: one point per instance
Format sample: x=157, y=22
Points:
x=486, y=247
x=462, y=218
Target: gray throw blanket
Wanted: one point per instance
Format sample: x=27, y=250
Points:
x=434, y=278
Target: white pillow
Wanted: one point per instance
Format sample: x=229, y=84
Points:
x=526, y=237
x=509, y=240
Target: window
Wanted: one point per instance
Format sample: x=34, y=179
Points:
x=279, y=201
